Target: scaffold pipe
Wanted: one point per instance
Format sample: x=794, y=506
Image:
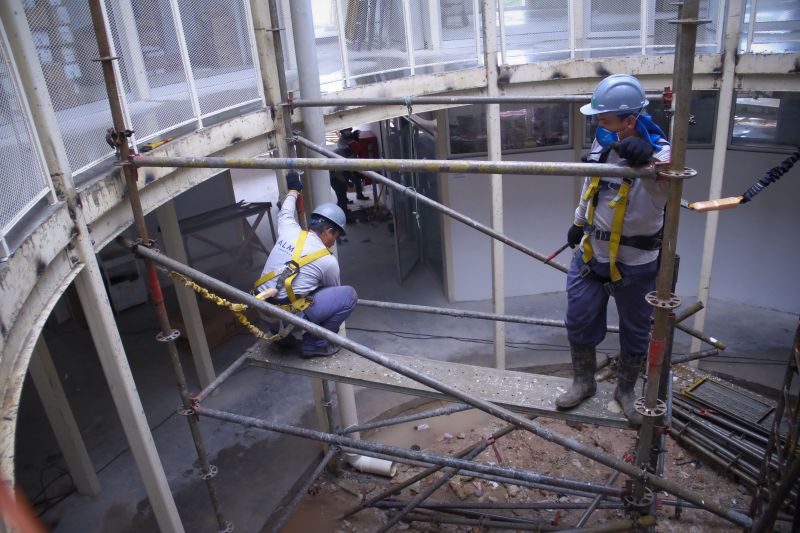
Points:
x=408, y=101
x=447, y=166
x=634, y=472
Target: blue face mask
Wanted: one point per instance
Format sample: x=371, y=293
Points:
x=606, y=137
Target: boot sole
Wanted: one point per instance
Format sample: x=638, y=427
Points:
x=575, y=404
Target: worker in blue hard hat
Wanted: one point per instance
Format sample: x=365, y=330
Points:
x=301, y=274
x=617, y=226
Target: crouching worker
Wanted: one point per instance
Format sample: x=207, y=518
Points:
x=618, y=225
x=302, y=275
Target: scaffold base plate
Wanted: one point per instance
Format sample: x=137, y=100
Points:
x=518, y=391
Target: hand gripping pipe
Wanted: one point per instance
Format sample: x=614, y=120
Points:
x=603, y=458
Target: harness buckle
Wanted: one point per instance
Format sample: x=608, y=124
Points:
x=609, y=287
x=585, y=271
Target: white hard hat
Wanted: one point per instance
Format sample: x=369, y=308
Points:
x=616, y=93
x=332, y=213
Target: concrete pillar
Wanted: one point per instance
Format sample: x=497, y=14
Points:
x=190, y=310
x=721, y=133
x=318, y=182
x=89, y=282
x=495, y=154
x=56, y=407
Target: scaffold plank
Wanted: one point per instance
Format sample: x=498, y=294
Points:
x=519, y=391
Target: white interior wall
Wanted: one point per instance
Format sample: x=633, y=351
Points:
x=756, y=254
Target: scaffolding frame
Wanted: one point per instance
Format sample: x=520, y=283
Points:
x=637, y=499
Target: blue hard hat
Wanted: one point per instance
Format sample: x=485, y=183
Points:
x=616, y=93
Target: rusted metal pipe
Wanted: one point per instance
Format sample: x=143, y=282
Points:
x=453, y=392
x=168, y=336
x=682, y=86
x=441, y=411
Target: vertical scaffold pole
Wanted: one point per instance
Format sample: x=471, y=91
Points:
x=168, y=336
x=663, y=300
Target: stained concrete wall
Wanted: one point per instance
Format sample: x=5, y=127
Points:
x=757, y=254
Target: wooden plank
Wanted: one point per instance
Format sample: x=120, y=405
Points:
x=518, y=391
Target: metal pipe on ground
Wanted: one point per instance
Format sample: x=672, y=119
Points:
x=709, y=456
x=717, y=419
x=447, y=475
x=441, y=411
x=438, y=518
x=422, y=475
x=487, y=477
x=408, y=101
x=460, y=464
x=718, y=449
x=302, y=490
x=453, y=392
x=596, y=502
x=685, y=358
x=767, y=519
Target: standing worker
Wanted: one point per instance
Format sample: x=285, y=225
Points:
x=301, y=274
x=618, y=224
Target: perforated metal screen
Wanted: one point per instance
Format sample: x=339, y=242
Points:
x=535, y=28
x=155, y=84
x=22, y=176
x=376, y=39
x=218, y=40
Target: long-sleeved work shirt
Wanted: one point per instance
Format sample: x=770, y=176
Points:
x=324, y=272
x=643, y=216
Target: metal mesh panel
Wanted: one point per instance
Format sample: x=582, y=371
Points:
x=664, y=33
x=375, y=34
x=535, y=28
x=777, y=27
x=150, y=64
x=329, y=52
x=453, y=37
x=218, y=40
x=22, y=178
x=64, y=38
x=612, y=27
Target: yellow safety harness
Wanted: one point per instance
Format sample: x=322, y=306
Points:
x=619, y=204
x=289, y=272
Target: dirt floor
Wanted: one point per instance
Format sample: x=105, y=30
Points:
x=340, y=488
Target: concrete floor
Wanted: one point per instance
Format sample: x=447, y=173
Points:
x=257, y=469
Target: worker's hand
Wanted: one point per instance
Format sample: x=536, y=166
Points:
x=293, y=182
x=634, y=150
x=574, y=235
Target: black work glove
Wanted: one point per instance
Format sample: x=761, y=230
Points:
x=574, y=235
x=634, y=150
x=293, y=182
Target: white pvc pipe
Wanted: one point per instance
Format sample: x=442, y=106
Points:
x=371, y=465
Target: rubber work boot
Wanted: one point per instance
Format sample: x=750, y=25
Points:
x=627, y=373
x=584, y=365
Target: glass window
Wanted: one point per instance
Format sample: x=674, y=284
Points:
x=703, y=111
x=522, y=127
x=766, y=119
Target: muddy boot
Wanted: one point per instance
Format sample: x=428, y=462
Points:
x=627, y=374
x=584, y=365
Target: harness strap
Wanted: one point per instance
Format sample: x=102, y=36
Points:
x=296, y=263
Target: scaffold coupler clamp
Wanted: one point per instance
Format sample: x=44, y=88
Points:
x=669, y=174
x=638, y=505
x=289, y=102
x=668, y=111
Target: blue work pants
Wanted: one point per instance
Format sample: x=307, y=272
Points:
x=587, y=303
x=331, y=307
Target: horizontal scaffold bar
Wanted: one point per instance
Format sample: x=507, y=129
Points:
x=451, y=100
x=403, y=165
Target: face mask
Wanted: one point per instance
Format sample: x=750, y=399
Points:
x=606, y=137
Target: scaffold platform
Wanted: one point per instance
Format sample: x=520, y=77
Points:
x=533, y=394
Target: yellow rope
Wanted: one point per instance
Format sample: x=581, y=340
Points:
x=236, y=309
